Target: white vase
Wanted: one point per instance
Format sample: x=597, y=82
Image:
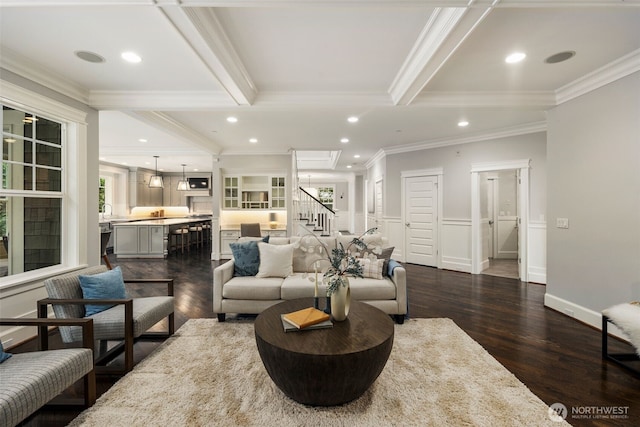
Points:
x=341, y=301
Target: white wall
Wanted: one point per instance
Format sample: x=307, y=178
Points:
x=594, y=169
x=456, y=161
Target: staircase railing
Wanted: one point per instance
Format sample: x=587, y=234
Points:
x=314, y=215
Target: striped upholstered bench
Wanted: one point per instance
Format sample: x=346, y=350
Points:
x=30, y=380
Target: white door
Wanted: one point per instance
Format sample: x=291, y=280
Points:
x=421, y=208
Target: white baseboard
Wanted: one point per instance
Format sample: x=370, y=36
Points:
x=538, y=275
x=583, y=314
x=456, y=264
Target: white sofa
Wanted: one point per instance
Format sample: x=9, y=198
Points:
x=252, y=295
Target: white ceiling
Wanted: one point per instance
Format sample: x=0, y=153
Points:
x=292, y=71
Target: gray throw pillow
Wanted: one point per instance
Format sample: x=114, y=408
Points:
x=386, y=256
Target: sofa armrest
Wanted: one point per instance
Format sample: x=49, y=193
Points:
x=43, y=334
x=221, y=275
x=399, y=278
x=42, y=307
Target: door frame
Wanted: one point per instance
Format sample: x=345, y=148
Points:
x=523, y=212
x=438, y=173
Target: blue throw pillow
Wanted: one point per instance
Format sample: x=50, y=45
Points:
x=246, y=258
x=3, y=356
x=107, y=285
x=392, y=264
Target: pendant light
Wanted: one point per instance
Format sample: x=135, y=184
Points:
x=183, y=185
x=156, y=180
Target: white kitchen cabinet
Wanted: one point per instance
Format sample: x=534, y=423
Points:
x=227, y=237
x=139, y=240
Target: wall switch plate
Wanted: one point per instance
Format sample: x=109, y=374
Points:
x=562, y=222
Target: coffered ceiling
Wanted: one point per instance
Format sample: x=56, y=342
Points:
x=293, y=71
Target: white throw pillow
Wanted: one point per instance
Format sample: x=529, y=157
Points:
x=371, y=268
x=275, y=260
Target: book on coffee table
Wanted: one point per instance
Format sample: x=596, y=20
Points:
x=306, y=317
x=289, y=327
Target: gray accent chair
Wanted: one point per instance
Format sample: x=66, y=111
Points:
x=127, y=321
x=250, y=230
x=30, y=380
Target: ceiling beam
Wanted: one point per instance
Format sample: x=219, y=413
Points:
x=203, y=32
x=173, y=127
x=445, y=31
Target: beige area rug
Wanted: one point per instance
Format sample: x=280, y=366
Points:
x=210, y=374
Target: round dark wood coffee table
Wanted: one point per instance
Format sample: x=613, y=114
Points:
x=325, y=367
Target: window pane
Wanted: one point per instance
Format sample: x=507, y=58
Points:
x=48, y=180
x=18, y=151
x=48, y=131
x=41, y=232
x=28, y=177
x=48, y=156
x=31, y=233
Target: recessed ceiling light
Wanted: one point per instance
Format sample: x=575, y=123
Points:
x=353, y=119
x=85, y=55
x=253, y=140
x=356, y=156
x=559, y=57
x=344, y=140
x=132, y=57
x=124, y=163
x=196, y=170
x=463, y=123
x=142, y=140
x=232, y=119
x=349, y=166
x=515, y=57
x=102, y=158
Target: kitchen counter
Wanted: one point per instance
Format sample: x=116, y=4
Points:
x=147, y=238
x=159, y=221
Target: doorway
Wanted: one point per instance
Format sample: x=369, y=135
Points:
x=504, y=241
x=499, y=219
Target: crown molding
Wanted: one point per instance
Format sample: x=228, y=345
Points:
x=177, y=129
x=611, y=72
x=19, y=97
x=477, y=137
x=381, y=154
x=202, y=31
x=159, y=100
x=486, y=99
x=31, y=70
x=323, y=98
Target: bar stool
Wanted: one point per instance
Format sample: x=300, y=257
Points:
x=206, y=231
x=181, y=234
x=197, y=230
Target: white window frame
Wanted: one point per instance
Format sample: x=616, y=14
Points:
x=74, y=237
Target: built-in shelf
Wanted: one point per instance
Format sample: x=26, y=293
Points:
x=254, y=192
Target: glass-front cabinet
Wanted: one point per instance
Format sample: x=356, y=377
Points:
x=254, y=192
x=231, y=191
x=278, y=197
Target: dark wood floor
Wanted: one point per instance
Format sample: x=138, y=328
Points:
x=558, y=358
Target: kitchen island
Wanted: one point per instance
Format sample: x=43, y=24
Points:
x=148, y=238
